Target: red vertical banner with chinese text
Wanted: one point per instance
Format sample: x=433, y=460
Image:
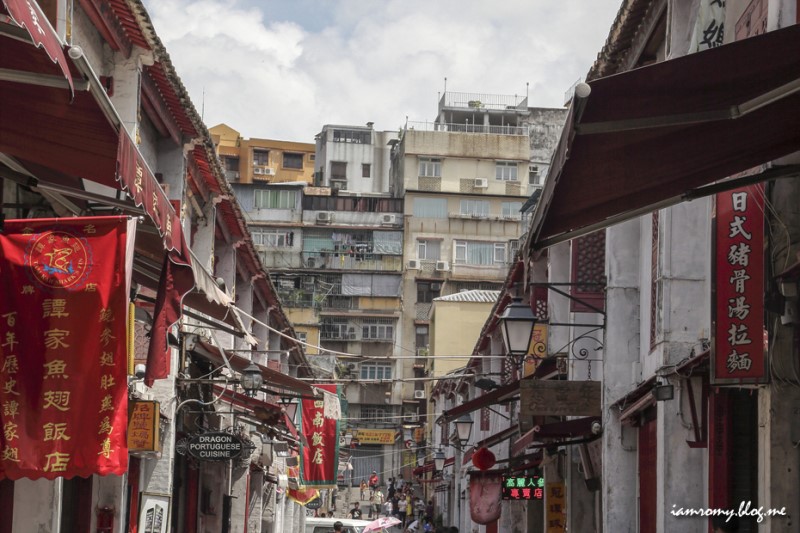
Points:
x=63, y=315
x=319, y=451
x=739, y=338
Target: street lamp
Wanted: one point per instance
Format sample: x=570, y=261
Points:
x=438, y=460
x=252, y=379
x=348, y=439
x=289, y=407
x=464, y=429
x=516, y=326
x=421, y=457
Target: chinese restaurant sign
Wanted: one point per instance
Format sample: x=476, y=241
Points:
x=143, y=427
x=63, y=315
x=523, y=487
x=556, y=504
x=376, y=436
x=739, y=340
x=319, y=455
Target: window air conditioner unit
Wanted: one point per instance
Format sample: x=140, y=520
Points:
x=258, y=170
x=311, y=262
x=324, y=217
x=481, y=183
x=351, y=333
x=442, y=266
x=388, y=219
x=419, y=394
x=269, y=171
x=413, y=264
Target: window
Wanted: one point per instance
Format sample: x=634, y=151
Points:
x=261, y=157
x=275, y=199
x=534, y=176
x=377, y=332
x=479, y=253
x=292, y=160
x=376, y=371
x=352, y=136
x=505, y=170
x=430, y=167
x=427, y=291
x=475, y=208
x=430, y=207
x=373, y=413
x=312, y=157
x=337, y=328
x=510, y=209
x=429, y=250
x=338, y=170
x=365, y=170
x=231, y=163
x=274, y=238
x=302, y=336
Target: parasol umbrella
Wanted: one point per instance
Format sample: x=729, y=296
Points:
x=380, y=523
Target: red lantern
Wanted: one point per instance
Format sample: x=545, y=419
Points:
x=483, y=459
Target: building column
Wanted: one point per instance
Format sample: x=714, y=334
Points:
x=240, y=492
x=619, y=468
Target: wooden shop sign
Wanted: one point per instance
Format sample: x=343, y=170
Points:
x=559, y=398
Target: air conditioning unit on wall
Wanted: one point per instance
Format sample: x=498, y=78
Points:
x=388, y=220
x=481, y=183
x=419, y=394
x=324, y=217
x=442, y=266
x=413, y=264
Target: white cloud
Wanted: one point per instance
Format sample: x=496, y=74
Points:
x=372, y=61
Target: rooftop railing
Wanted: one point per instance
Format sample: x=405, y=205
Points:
x=483, y=101
x=468, y=128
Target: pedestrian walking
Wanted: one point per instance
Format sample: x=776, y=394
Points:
x=363, y=487
x=401, y=510
x=376, y=503
x=374, y=481
x=355, y=512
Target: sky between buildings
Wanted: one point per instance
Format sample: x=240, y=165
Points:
x=280, y=69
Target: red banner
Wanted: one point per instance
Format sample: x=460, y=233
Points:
x=739, y=337
x=319, y=453
x=63, y=316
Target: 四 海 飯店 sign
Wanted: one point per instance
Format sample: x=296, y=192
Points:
x=215, y=446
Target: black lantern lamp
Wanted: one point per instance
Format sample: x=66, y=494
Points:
x=516, y=326
x=290, y=407
x=438, y=460
x=663, y=391
x=463, y=429
x=252, y=379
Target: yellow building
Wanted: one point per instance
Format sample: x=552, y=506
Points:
x=263, y=160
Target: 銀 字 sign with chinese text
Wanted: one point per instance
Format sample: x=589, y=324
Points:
x=739, y=341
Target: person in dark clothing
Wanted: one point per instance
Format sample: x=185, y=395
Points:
x=355, y=512
x=337, y=527
x=429, y=511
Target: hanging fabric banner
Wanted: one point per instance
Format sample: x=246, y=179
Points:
x=319, y=454
x=63, y=382
x=739, y=346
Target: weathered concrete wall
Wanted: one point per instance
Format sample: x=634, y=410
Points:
x=467, y=145
x=37, y=506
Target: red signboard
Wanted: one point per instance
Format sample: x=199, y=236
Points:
x=739, y=338
x=319, y=453
x=63, y=316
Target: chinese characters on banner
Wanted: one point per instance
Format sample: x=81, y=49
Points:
x=523, y=487
x=739, y=341
x=556, y=505
x=319, y=456
x=63, y=315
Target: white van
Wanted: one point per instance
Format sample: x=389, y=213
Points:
x=325, y=525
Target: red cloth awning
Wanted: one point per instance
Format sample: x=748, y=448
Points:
x=272, y=378
x=28, y=14
x=648, y=136
x=430, y=466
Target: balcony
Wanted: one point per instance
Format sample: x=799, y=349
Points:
x=469, y=128
x=352, y=260
x=483, y=101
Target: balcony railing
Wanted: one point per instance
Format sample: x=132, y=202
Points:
x=483, y=101
x=469, y=128
x=356, y=261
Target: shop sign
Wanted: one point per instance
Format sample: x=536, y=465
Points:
x=216, y=446
x=143, y=426
x=377, y=436
x=739, y=336
x=523, y=487
x=556, y=508
x=559, y=398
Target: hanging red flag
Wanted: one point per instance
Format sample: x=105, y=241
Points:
x=63, y=367
x=319, y=454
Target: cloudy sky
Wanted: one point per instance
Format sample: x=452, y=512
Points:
x=281, y=69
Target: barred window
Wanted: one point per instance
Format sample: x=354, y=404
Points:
x=376, y=371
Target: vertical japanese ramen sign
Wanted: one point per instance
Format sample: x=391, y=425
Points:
x=63, y=315
x=319, y=454
x=739, y=338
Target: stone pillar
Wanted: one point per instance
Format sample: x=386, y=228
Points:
x=619, y=468
x=37, y=506
x=239, y=490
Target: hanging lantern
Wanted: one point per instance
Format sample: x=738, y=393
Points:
x=483, y=459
